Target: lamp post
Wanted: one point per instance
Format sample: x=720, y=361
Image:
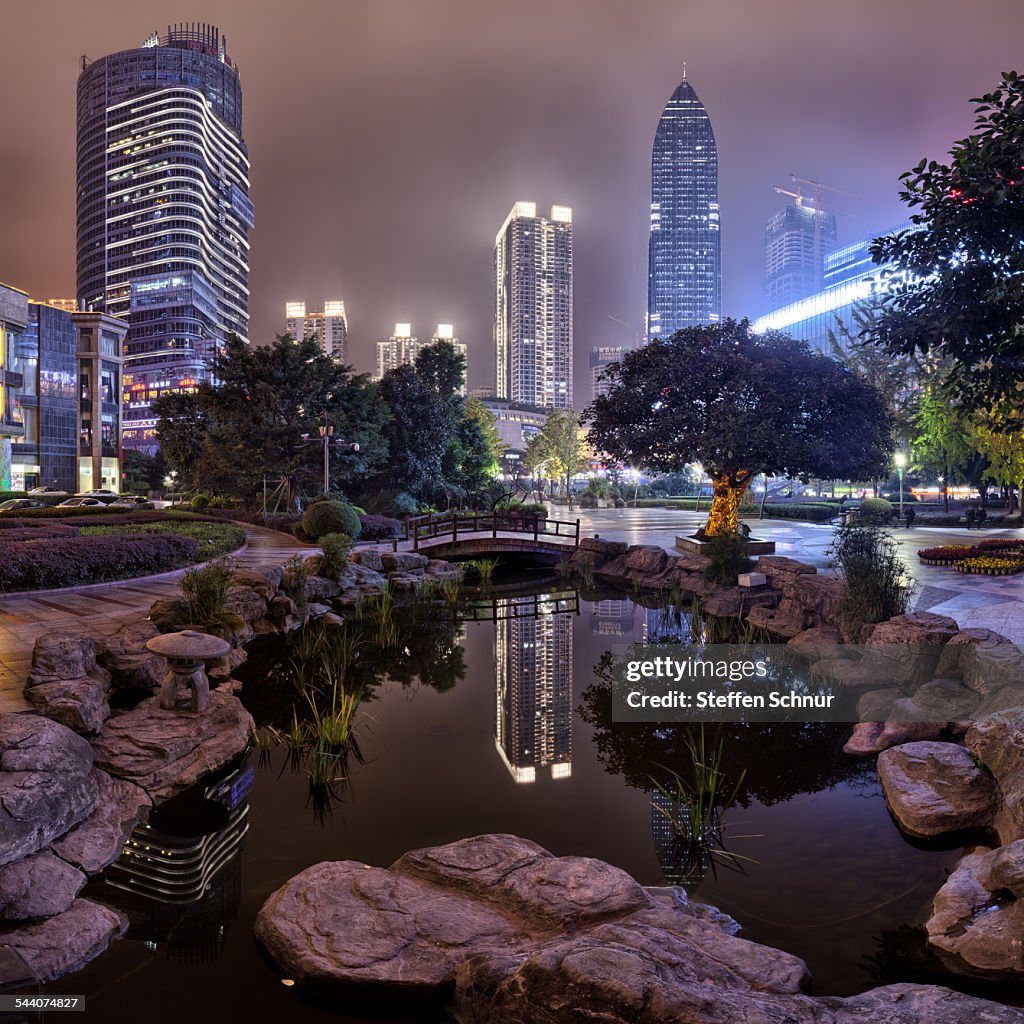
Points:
x=901, y=460
x=700, y=483
x=326, y=435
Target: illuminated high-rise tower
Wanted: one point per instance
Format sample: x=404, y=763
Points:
x=533, y=316
x=684, y=269
x=327, y=324
x=163, y=210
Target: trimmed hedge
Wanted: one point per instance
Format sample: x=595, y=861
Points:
x=875, y=511
x=818, y=512
x=331, y=517
x=38, y=564
x=380, y=527
x=15, y=531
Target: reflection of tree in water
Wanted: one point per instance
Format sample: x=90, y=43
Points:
x=780, y=759
x=427, y=652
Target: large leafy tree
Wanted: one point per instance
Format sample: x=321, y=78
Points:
x=741, y=404
x=958, y=281
x=262, y=422
x=998, y=435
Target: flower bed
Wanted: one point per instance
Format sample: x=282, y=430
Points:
x=64, y=562
x=990, y=566
x=1000, y=544
x=946, y=555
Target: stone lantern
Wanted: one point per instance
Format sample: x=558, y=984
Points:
x=187, y=654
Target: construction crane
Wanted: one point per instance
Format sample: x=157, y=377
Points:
x=818, y=188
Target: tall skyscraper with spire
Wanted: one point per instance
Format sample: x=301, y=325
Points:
x=684, y=271
x=163, y=210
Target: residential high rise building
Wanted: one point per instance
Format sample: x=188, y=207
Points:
x=402, y=347
x=163, y=210
x=684, y=269
x=601, y=357
x=533, y=314
x=796, y=241
x=327, y=323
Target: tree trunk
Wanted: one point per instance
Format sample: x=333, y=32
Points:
x=729, y=488
x=945, y=485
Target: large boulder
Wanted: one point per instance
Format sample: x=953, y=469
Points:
x=165, y=752
x=905, y=650
x=987, y=662
x=932, y=788
x=977, y=921
x=66, y=684
x=818, y=642
x=38, y=886
x=47, y=784
x=403, y=561
x=369, y=558
x=405, y=932
x=99, y=840
x=496, y=930
x=62, y=944
x=998, y=742
x=870, y=738
x=124, y=654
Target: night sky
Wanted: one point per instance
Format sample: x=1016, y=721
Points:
x=389, y=138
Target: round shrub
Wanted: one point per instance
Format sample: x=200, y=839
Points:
x=875, y=512
x=331, y=517
x=200, y=501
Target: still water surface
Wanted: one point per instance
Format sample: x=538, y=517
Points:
x=500, y=727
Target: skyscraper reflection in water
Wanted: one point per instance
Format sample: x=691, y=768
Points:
x=179, y=879
x=533, y=686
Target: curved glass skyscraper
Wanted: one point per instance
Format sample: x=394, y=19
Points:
x=684, y=271
x=163, y=210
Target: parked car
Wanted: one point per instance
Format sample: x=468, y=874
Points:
x=99, y=492
x=52, y=492
x=20, y=504
x=85, y=502
x=132, y=501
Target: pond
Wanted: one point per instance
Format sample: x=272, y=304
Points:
x=495, y=721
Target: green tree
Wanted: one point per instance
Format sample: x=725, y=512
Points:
x=893, y=375
x=561, y=446
x=741, y=404
x=941, y=440
x=957, y=284
x=998, y=435
x=262, y=421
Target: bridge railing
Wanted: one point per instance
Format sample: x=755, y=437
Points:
x=452, y=525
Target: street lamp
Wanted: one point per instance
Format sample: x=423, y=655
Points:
x=326, y=435
x=901, y=460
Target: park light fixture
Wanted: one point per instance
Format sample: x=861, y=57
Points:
x=901, y=460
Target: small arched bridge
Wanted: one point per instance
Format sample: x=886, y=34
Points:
x=464, y=534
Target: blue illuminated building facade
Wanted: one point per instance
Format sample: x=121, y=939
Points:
x=164, y=211
x=684, y=273
x=850, y=277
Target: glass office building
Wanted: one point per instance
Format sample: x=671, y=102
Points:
x=163, y=210
x=797, y=241
x=684, y=271
x=851, y=276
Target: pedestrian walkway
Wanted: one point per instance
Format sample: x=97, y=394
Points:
x=100, y=609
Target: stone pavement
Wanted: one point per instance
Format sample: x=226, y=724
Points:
x=101, y=608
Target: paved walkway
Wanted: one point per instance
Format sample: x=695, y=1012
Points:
x=101, y=609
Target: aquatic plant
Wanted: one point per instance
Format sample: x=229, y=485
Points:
x=293, y=580
x=484, y=568
x=693, y=806
x=205, y=591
